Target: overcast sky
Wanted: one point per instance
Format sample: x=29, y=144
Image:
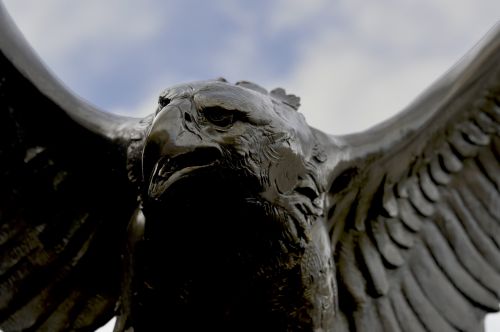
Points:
x=353, y=62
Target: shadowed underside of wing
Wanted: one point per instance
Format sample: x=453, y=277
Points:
x=65, y=199
x=417, y=230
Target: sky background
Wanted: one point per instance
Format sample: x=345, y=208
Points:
x=354, y=63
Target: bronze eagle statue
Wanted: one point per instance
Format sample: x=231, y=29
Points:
x=225, y=211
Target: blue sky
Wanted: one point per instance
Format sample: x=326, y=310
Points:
x=354, y=63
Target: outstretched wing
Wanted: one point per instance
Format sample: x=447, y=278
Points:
x=65, y=198
x=415, y=220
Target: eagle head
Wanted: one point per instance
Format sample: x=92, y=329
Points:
x=233, y=180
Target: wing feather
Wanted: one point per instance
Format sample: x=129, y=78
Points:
x=486, y=123
x=408, y=215
x=425, y=218
x=486, y=162
x=428, y=187
x=439, y=291
x=480, y=215
x=65, y=197
x=478, y=237
x=399, y=234
x=423, y=308
x=406, y=317
x=387, y=248
x=447, y=261
x=374, y=266
x=418, y=200
x=386, y=311
x=438, y=174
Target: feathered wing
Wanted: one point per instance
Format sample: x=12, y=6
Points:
x=65, y=198
x=415, y=218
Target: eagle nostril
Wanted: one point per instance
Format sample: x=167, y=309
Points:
x=187, y=117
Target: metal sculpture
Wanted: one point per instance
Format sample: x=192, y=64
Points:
x=225, y=211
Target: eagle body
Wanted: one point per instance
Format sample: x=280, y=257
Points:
x=223, y=210
x=239, y=254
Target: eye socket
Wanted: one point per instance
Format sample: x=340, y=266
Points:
x=219, y=116
x=163, y=101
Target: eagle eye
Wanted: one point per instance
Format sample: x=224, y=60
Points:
x=219, y=116
x=163, y=101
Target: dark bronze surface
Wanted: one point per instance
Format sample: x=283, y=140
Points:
x=225, y=211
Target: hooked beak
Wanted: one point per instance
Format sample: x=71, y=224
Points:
x=174, y=150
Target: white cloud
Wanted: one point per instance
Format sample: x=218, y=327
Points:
x=146, y=106
x=353, y=75
x=292, y=13
x=346, y=87
x=237, y=56
x=59, y=29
